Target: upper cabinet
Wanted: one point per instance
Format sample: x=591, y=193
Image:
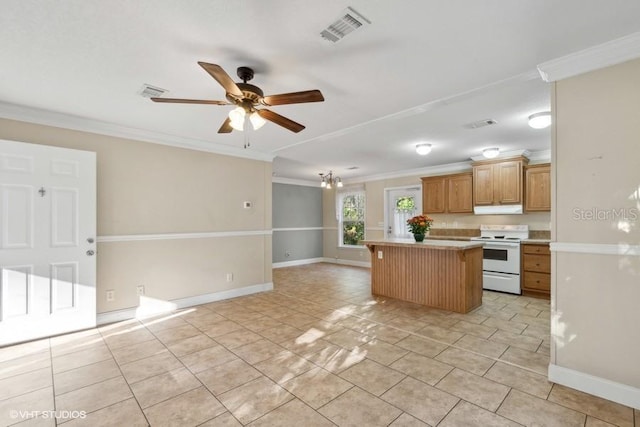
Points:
x=537, y=188
x=448, y=193
x=498, y=182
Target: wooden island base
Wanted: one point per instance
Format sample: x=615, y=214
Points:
x=441, y=274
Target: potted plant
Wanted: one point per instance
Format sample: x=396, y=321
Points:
x=419, y=225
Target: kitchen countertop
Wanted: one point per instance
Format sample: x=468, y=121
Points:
x=433, y=244
x=459, y=238
x=541, y=241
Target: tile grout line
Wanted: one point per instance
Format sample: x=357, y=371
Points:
x=437, y=341
x=124, y=378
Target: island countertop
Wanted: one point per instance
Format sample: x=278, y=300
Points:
x=451, y=245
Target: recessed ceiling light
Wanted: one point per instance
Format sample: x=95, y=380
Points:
x=423, y=149
x=491, y=153
x=540, y=120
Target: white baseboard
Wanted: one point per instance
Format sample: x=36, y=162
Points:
x=616, y=392
x=297, y=262
x=167, y=306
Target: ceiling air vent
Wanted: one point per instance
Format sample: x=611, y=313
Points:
x=346, y=24
x=480, y=124
x=148, y=91
x=352, y=168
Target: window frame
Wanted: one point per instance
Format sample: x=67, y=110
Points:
x=340, y=196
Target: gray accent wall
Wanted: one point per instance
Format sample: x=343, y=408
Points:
x=296, y=207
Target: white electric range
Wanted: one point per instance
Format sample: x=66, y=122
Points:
x=501, y=256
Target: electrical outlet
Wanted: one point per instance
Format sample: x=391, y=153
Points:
x=287, y=254
x=140, y=290
x=111, y=295
x=229, y=277
x=379, y=254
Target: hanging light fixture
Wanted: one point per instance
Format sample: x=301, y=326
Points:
x=238, y=118
x=540, y=120
x=423, y=149
x=491, y=153
x=327, y=180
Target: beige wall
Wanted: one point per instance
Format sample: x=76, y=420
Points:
x=596, y=154
x=146, y=188
x=374, y=218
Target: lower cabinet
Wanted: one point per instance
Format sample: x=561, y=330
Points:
x=536, y=270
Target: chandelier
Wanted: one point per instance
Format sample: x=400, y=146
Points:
x=327, y=180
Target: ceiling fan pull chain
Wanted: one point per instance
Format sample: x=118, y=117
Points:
x=247, y=143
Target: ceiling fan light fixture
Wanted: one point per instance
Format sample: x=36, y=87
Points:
x=256, y=121
x=423, y=149
x=236, y=117
x=491, y=153
x=540, y=120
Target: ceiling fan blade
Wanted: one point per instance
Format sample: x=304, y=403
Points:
x=222, y=77
x=190, y=101
x=294, y=98
x=226, y=126
x=280, y=120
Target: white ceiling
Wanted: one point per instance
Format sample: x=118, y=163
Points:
x=420, y=71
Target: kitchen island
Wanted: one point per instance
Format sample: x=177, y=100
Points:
x=438, y=273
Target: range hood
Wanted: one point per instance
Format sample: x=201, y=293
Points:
x=498, y=210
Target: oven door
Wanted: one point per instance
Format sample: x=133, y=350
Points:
x=501, y=257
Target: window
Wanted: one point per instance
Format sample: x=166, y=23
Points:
x=351, y=217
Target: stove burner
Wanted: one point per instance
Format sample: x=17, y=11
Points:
x=498, y=237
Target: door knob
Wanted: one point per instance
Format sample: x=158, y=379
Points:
x=90, y=252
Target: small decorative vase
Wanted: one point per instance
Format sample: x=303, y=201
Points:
x=419, y=237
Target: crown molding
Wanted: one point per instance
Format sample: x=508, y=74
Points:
x=66, y=121
x=291, y=181
x=593, y=58
x=505, y=155
x=426, y=171
x=543, y=156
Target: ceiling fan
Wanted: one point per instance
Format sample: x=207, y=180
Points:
x=247, y=97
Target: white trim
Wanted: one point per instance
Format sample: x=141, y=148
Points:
x=595, y=57
x=177, y=236
x=297, y=262
x=50, y=118
x=428, y=171
x=291, y=181
x=348, y=262
x=504, y=155
x=135, y=312
x=374, y=228
x=601, y=387
x=298, y=229
x=596, y=248
x=537, y=157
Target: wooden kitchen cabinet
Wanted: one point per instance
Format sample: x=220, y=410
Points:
x=537, y=183
x=498, y=182
x=448, y=193
x=460, y=193
x=536, y=270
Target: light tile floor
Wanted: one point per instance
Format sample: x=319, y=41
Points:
x=317, y=351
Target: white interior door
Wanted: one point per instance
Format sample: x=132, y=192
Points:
x=47, y=241
x=401, y=204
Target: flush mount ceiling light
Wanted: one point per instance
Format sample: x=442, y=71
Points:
x=423, y=149
x=540, y=120
x=327, y=180
x=491, y=153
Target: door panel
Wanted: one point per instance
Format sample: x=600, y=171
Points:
x=47, y=213
x=402, y=204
